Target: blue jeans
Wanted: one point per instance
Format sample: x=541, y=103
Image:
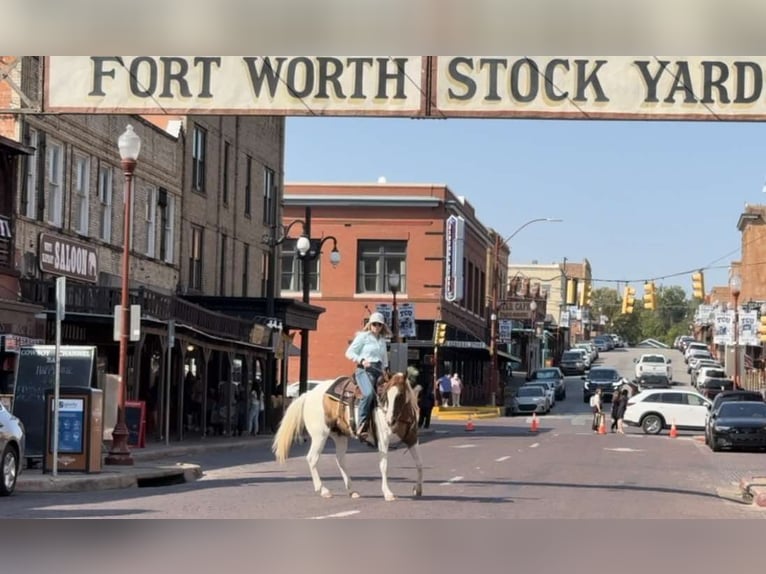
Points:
x=365, y=385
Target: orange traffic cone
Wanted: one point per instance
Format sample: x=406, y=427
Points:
x=469, y=426
x=535, y=423
x=602, y=426
x=673, y=430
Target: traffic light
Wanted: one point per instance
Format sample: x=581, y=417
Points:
x=762, y=329
x=571, y=291
x=440, y=333
x=650, y=294
x=628, y=299
x=698, y=285
x=586, y=294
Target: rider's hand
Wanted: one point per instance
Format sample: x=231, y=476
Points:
x=366, y=364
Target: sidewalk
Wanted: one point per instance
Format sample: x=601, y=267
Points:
x=157, y=464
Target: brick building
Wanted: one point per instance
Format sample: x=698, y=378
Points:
x=381, y=228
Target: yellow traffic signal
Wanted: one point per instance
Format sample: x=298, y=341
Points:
x=698, y=285
x=628, y=300
x=440, y=333
x=650, y=296
x=762, y=329
x=586, y=294
x=571, y=291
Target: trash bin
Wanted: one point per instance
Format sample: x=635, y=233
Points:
x=81, y=423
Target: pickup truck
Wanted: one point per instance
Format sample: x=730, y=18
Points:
x=652, y=364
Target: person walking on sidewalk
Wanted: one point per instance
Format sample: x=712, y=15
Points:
x=445, y=389
x=457, y=388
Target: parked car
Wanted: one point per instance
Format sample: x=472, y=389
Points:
x=11, y=451
x=572, y=362
x=551, y=374
x=607, y=379
x=530, y=399
x=653, y=381
x=712, y=386
x=549, y=387
x=726, y=397
x=738, y=424
x=655, y=364
x=657, y=409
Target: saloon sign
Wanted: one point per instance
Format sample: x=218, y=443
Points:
x=64, y=257
x=579, y=87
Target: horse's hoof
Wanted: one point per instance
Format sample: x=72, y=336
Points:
x=354, y=495
x=390, y=497
x=417, y=491
x=326, y=493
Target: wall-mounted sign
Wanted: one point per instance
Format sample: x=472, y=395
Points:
x=518, y=309
x=62, y=256
x=454, y=238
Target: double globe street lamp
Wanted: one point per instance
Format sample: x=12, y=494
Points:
x=735, y=286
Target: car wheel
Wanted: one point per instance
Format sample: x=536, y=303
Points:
x=652, y=424
x=715, y=446
x=9, y=466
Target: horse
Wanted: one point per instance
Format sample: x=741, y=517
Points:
x=395, y=414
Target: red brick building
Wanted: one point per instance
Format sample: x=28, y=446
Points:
x=382, y=228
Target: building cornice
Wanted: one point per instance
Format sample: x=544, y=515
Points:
x=337, y=200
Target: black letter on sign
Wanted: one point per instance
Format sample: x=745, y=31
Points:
x=460, y=78
x=179, y=76
x=710, y=82
x=135, y=86
x=384, y=76
x=358, y=64
x=204, y=91
x=550, y=83
x=651, y=81
x=99, y=73
x=308, y=81
x=683, y=84
x=327, y=76
x=534, y=80
x=267, y=71
x=493, y=64
x=583, y=81
x=742, y=68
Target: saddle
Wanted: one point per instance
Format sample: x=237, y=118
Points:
x=345, y=390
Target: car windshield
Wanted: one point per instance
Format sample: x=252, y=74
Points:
x=530, y=392
x=742, y=410
x=603, y=375
x=653, y=359
x=545, y=375
x=571, y=356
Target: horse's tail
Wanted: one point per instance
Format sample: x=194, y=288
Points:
x=289, y=429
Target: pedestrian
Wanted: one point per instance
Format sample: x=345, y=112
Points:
x=623, y=405
x=457, y=388
x=615, y=411
x=426, y=405
x=445, y=389
x=369, y=351
x=595, y=405
x=254, y=410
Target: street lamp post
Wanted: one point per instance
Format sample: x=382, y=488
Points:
x=309, y=250
x=394, y=281
x=130, y=145
x=494, y=375
x=735, y=285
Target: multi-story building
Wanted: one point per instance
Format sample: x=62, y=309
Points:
x=409, y=229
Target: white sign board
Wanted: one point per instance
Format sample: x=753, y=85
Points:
x=406, y=312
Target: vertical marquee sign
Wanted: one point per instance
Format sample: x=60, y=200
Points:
x=454, y=234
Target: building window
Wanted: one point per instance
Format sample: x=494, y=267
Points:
x=222, y=266
x=292, y=269
x=376, y=259
x=30, y=182
x=269, y=217
x=150, y=216
x=195, y=259
x=105, y=180
x=55, y=196
x=245, y=269
x=81, y=185
x=248, y=185
x=166, y=203
x=199, y=142
x=225, y=187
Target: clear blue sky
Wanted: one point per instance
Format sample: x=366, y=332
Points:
x=639, y=199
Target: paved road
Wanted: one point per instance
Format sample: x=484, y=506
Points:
x=500, y=470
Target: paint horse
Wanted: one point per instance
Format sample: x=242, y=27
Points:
x=325, y=412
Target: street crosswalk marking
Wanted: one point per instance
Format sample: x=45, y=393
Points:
x=337, y=515
x=464, y=446
x=502, y=459
x=452, y=480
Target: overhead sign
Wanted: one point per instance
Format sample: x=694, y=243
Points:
x=454, y=238
x=517, y=309
x=577, y=87
x=62, y=256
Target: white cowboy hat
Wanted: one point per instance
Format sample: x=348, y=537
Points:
x=377, y=318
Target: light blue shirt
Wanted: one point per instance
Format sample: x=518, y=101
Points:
x=368, y=347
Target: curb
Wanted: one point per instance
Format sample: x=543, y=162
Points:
x=754, y=490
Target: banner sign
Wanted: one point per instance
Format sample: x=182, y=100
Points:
x=710, y=88
x=406, y=312
x=724, y=328
x=454, y=236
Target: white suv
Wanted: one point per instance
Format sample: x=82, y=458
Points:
x=657, y=409
x=653, y=364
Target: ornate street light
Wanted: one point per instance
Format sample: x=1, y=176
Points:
x=735, y=286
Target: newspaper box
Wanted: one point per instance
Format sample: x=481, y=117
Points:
x=80, y=429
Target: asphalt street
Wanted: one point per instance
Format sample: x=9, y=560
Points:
x=500, y=470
